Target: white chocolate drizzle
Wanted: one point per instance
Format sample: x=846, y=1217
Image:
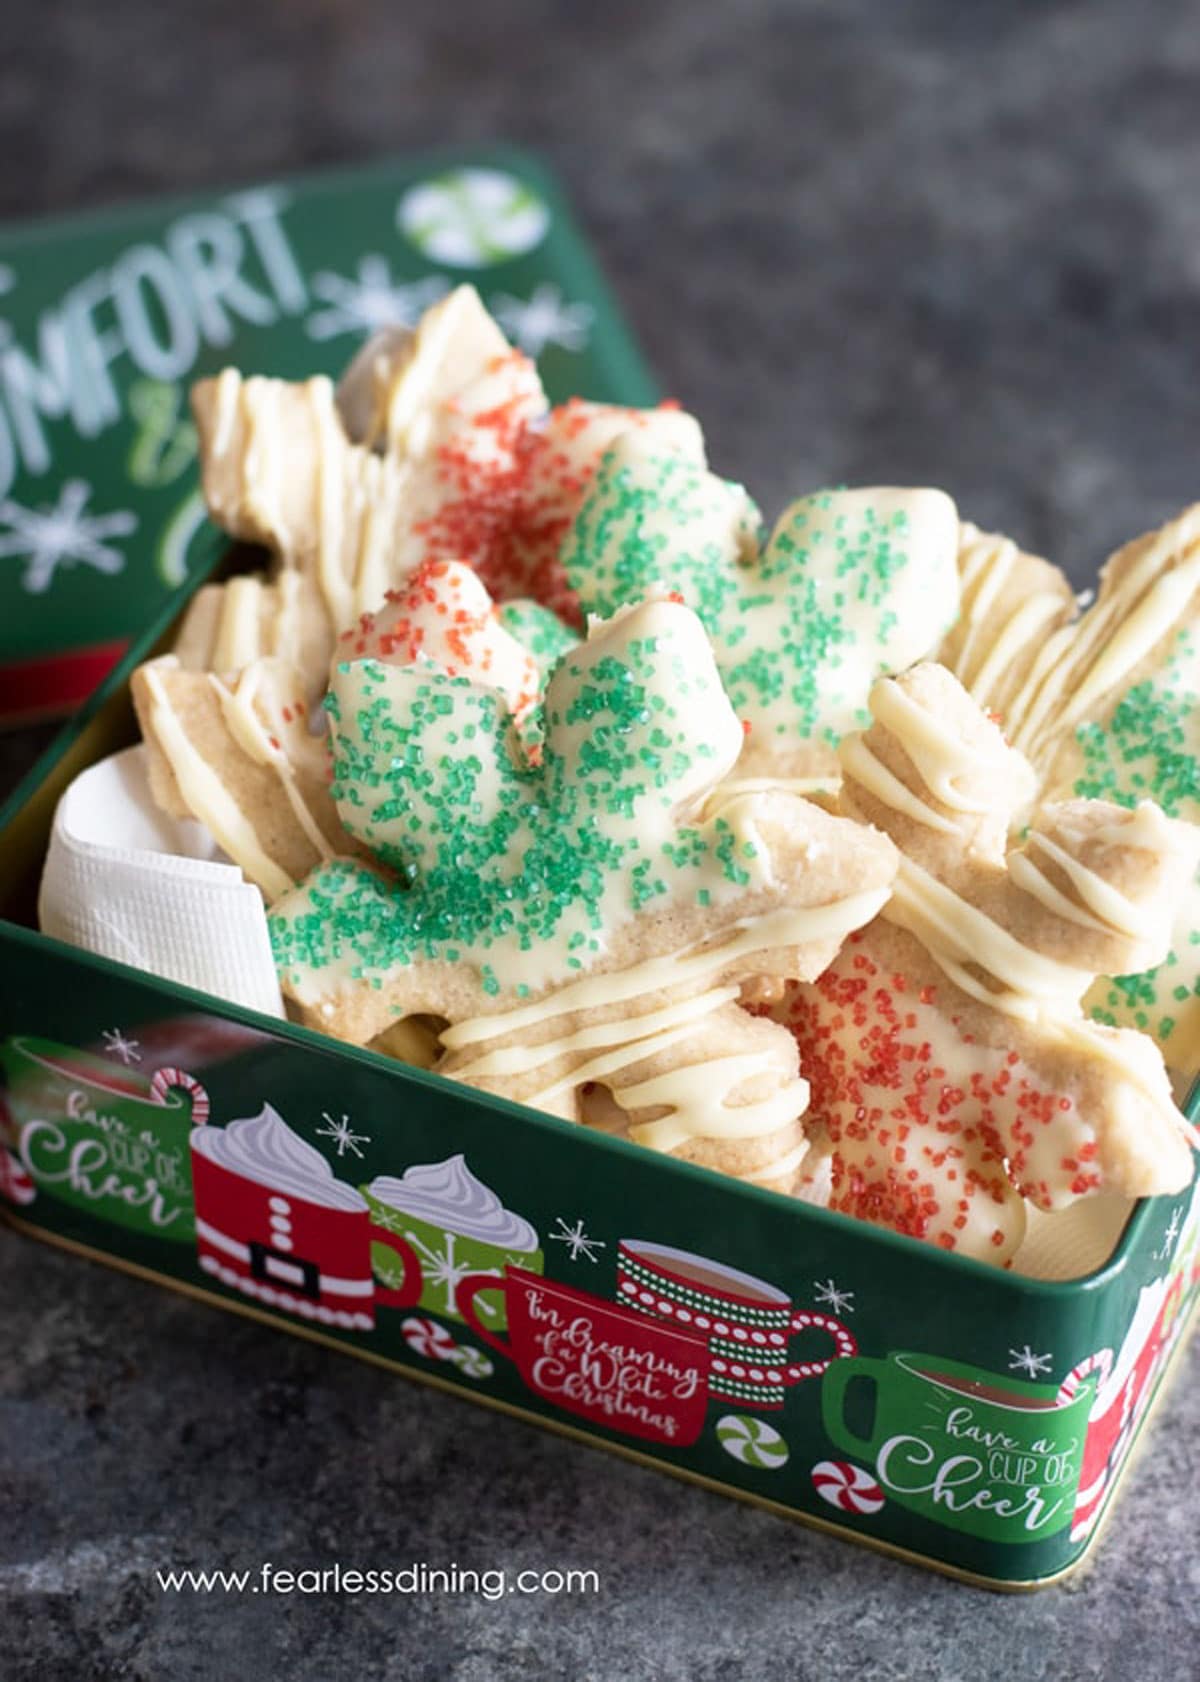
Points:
x=251, y=735
x=206, y=796
x=1082, y=663
x=956, y=934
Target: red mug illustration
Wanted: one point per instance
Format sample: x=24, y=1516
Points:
x=1124, y=1390
x=747, y=1322
x=594, y=1358
x=273, y=1222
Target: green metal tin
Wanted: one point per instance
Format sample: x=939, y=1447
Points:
x=106, y=319
x=915, y=1400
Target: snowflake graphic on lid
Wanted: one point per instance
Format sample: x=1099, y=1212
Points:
x=544, y=318
x=830, y=1295
x=1169, y=1236
x=48, y=538
x=370, y=299
x=577, y=1241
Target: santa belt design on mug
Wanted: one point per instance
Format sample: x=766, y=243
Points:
x=293, y=1254
x=278, y=1274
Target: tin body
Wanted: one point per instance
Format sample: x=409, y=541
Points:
x=917, y=1400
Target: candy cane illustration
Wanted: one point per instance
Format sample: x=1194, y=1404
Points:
x=1100, y=1363
x=164, y=1080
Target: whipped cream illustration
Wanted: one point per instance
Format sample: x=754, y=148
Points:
x=448, y=1196
x=264, y=1148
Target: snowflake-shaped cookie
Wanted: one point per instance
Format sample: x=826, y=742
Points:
x=850, y=584
x=953, y=1073
x=438, y=444
x=444, y=617
x=1108, y=710
x=237, y=752
x=587, y=886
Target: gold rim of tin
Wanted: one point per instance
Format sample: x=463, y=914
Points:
x=893, y=1550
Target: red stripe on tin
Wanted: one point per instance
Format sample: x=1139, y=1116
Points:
x=54, y=683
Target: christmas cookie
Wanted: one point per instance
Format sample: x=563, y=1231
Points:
x=243, y=755
x=1109, y=711
x=573, y=919
x=227, y=627
x=848, y=585
x=558, y=463
x=237, y=755
x=1011, y=604
x=438, y=444
x=445, y=618
x=953, y=1073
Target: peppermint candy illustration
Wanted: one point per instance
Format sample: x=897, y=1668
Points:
x=847, y=1487
x=752, y=1442
x=432, y=1340
x=471, y=1362
x=428, y=1338
x=15, y=1183
x=473, y=218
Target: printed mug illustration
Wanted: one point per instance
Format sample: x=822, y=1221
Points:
x=609, y=1365
x=1125, y=1384
x=101, y=1135
x=274, y=1223
x=748, y=1323
x=456, y=1225
x=978, y=1451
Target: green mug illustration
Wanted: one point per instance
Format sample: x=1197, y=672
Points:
x=455, y=1225
x=977, y=1451
x=104, y=1136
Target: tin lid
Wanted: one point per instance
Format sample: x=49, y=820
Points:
x=107, y=318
